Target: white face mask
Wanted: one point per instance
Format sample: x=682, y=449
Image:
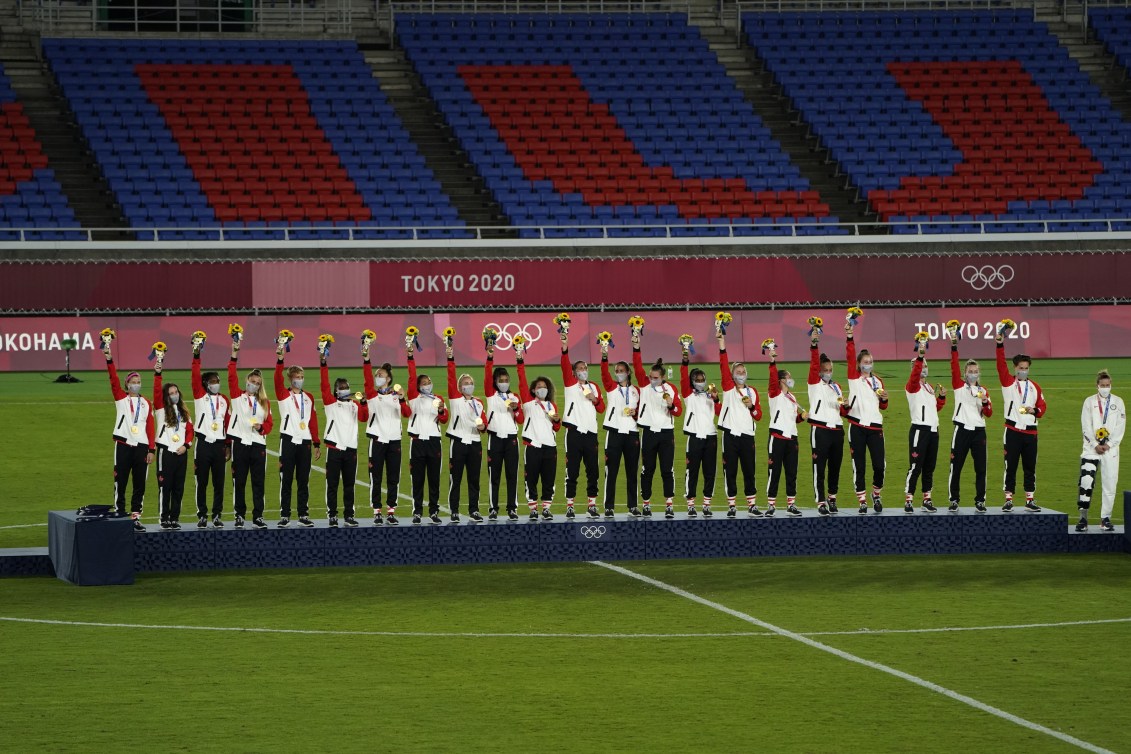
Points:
x=583, y=375
x=426, y=389
x=656, y=381
x=1022, y=374
x=826, y=376
x=175, y=398
x=866, y=368
x=622, y=377
x=1104, y=391
x=541, y=393
x=467, y=390
x=504, y=387
x=251, y=388
x=214, y=388
x=134, y=388
x=297, y=383
x=740, y=379
x=700, y=386
x=379, y=381
x=789, y=383
x=972, y=377
x=344, y=394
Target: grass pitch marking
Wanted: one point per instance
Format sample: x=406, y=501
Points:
x=970, y=701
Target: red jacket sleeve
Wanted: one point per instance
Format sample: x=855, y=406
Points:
x=957, y=379
x=814, y=365
x=328, y=396
x=363, y=412
x=756, y=411
x=1003, y=374
x=453, y=388
x=523, y=386
x=606, y=378
x=281, y=390
x=725, y=377
x=557, y=424
x=115, y=383
x=916, y=374
x=234, y=388
x=684, y=380
x=198, y=390
x=677, y=405
x=151, y=429
x=442, y=413
x=988, y=407
x=940, y=401
x=638, y=367
x=190, y=433
x=268, y=423
x=158, y=398
x=519, y=415
x=488, y=377
x=600, y=404
x=850, y=358
x=1041, y=407
x=775, y=381
x=313, y=421
x=367, y=379
x=568, y=377
x=412, y=391
x=406, y=410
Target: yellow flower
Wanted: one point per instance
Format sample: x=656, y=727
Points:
x=106, y=331
x=604, y=336
x=953, y=324
x=490, y=333
x=325, y=338
x=686, y=339
x=412, y=330
x=234, y=329
x=199, y=335
x=922, y=336
x=369, y=334
x=449, y=332
x=768, y=343
x=724, y=317
x=1007, y=324
x=636, y=321
x=518, y=340
x=160, y=346
x=855, y=311
x=563, y=317
x=816, y=322
x=286, y=334
x=1101, y=434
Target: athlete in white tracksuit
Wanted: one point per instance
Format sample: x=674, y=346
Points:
x=1102, y=410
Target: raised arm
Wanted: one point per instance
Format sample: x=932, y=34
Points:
x=367, y=378
x=198, y=390
x=281, y=390
x=489, y=374
x=328, y=396
x=684, y=380
x=115, y=383
x=158, y=399
x=725, y=376
x=638, y=366
x=814, y=363
x=453, y=386
x=913, y=383
x=1003, y=374
x=606, y=377
x=850, y=358
x=234, y=387
x=775, y=380
x=957, y=379
x=523, y=387
x=568, y=377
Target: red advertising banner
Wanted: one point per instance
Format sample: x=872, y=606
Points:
x=433, y=283
x=35, y=343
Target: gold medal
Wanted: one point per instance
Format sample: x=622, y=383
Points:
x=357, y=396
x=436, y=403
x=251, y=420
x=215, y=426
x=176, y=438
x=302, y=425
x=134, y=429
x=628, y=411
x=397, y=388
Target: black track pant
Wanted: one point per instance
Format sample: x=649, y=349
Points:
x=424, y=461
x=502, y=460
x=1020, y=447
x=738, y=453
x=657, y=448
x=970, y=442
x=580, y=448
x=866, y=442
x=621, y=447
x=294, y=465
x=464, y=459
x=923, y=450
x=540, y=465
x=208, y=463
x=171, y=468
x=129, y=467
x=248, y=460
x=384, y=466
x=828, y=450
x=341, y=468
x=782, y=455
x=702, y=454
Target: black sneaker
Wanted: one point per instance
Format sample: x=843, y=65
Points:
x=823, y=509
x=174, y=526
x=259, y=523
x=980, y=506
x=634, y=511
x=217, y=522
x=610, y=513
x=475, y=517
x=415, y=518
x=928, y=506
x=533, y=514
x=305, y=521
x=877, y=504
x=953, y=507
x=1008, y=507
x=350, y=521
x=707, y=513
x=283, y=523
x=493, y=515
x=202, y=523
x=435, y=518
x=454, y=518
x=832, y=506
x=391, y=519
x=792, y=510
x=1082, y=524
x=239, y=522
x=592, y=512
x=512, y=515
x=165, y=525
x=377, y=520
x=752, y=510
x=569, y=512
x=690, y=512
x=139, y=527
x=1105, y=525
x=863, y=509
x=732, y=512
x=1032, y=507
x=647, y=510
x=669, y=512
x=334, y=521
x=908, y=507
x=771, y=510
x=546, y=515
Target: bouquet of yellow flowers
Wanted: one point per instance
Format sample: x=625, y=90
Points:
x=769, y=345
x=236, y=331
x=107, y=336
x=722, y=319
x=605, y=338
x=853, y=315
x=325, y=340
x=412, y=337
x=158, y=352
x=367, y=338
x=686, y=342
x=1006, y=326
x=490, y=337
x=954, y=329
x=285, y=338
x=636, y=323
x=922, y=338
x=563, y=322
x=198, y=339
x=519, y=343
x=1101, y=435
x=449, y=336
x=816, y=326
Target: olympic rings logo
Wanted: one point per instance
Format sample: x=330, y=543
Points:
x=987, y=276
x=532, y=331
x=593, y=532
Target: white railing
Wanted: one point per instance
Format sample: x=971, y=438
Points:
x=491, y=233
x=533, y=6
x=189, y=16
x=778, y=6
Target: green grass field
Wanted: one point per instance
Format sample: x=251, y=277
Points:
x=563, y=657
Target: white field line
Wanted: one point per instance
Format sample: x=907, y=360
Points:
x=969, y=701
